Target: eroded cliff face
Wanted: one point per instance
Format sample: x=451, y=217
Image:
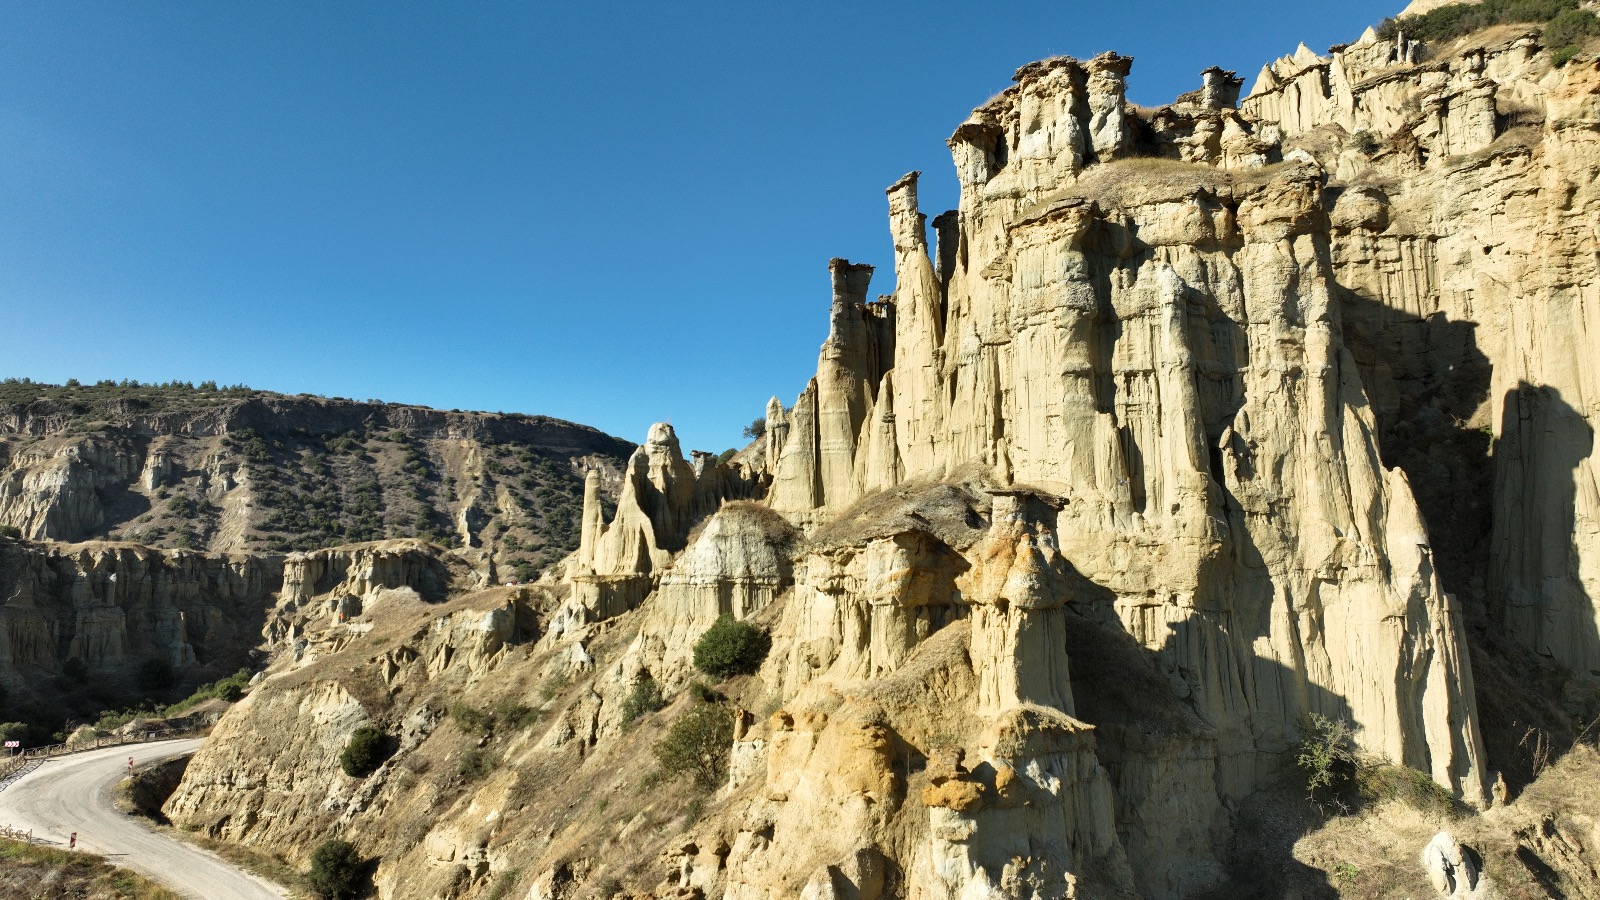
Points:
x=101, y=611
x=1170, y=440
x=1161, y=347
x=99, y=614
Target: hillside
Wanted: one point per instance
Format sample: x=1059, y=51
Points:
x=234, y=470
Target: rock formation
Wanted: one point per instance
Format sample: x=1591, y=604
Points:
x=618, y=562
x=1173, y=439
x=104, y=611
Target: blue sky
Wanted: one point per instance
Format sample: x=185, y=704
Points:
x=613, y=213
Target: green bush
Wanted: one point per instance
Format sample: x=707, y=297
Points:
x=1567, y=23
x=11, y=531
x=475, y=764
x=645, y=698
x=514, y=715
x=1567, y=31
x=232, y=688
x=1338, y=774
x=705, y=693
x=367, y=749
x=697, y=744
x=337, y=871
x=229, y=689
x=471, y=719
x=731, y=647
x=1327, y=756
x=15, y=731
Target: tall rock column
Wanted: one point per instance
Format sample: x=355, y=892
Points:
x=1018, y=586
x=777, y=431
x=617, y=562
x=919, y=332
x=1107, y=96
x=848, y=370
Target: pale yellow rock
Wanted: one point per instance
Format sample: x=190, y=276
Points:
x=1084, y=523
x=663, y=496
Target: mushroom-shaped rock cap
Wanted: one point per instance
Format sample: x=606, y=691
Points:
x=662, y=437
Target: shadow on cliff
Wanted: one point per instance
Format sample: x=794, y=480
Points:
x=1428, y=382
x=1531, y=707
x=1152, y=712
x=1426, y=379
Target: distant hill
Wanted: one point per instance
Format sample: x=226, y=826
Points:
x=231, y=469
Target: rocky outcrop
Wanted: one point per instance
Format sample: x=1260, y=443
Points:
x=1462, y=245
x=106, y=610
x=662, y=498
x=1158, y=353
x=327, y=589
x=52, y=489
x=737, y=565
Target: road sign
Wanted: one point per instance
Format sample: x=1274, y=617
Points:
x=13, y=744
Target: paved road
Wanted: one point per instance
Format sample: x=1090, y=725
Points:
x=74, y=793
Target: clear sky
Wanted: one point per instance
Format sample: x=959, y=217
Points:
x=614, y=213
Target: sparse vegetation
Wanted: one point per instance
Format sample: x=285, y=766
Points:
x=472, y=720
x=1567, y=24
x=1338, y=775
x=554, y=685
x=350, y=480
x=1327, y=756
x=476, y=763
x=230, y=689
x=731, y=647
x=504, y=884
x=698, y=744
x=337, y=871
x=1379, y=782
x=32, y=871
x=514, y=715
x=366, y=751
x=645, y=698
x=11, y=531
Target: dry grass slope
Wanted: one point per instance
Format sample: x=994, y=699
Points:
x=32, y=872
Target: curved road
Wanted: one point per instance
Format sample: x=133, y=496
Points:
x=74, y=793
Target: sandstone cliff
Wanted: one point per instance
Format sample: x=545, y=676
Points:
x=84, y=626
x=100, y=612
x=1187, y=425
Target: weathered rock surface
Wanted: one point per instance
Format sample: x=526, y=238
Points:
x=1172, y=439
x=662, y=496
x=113, y=608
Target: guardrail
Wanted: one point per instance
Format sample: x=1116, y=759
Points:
x=13, y=766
